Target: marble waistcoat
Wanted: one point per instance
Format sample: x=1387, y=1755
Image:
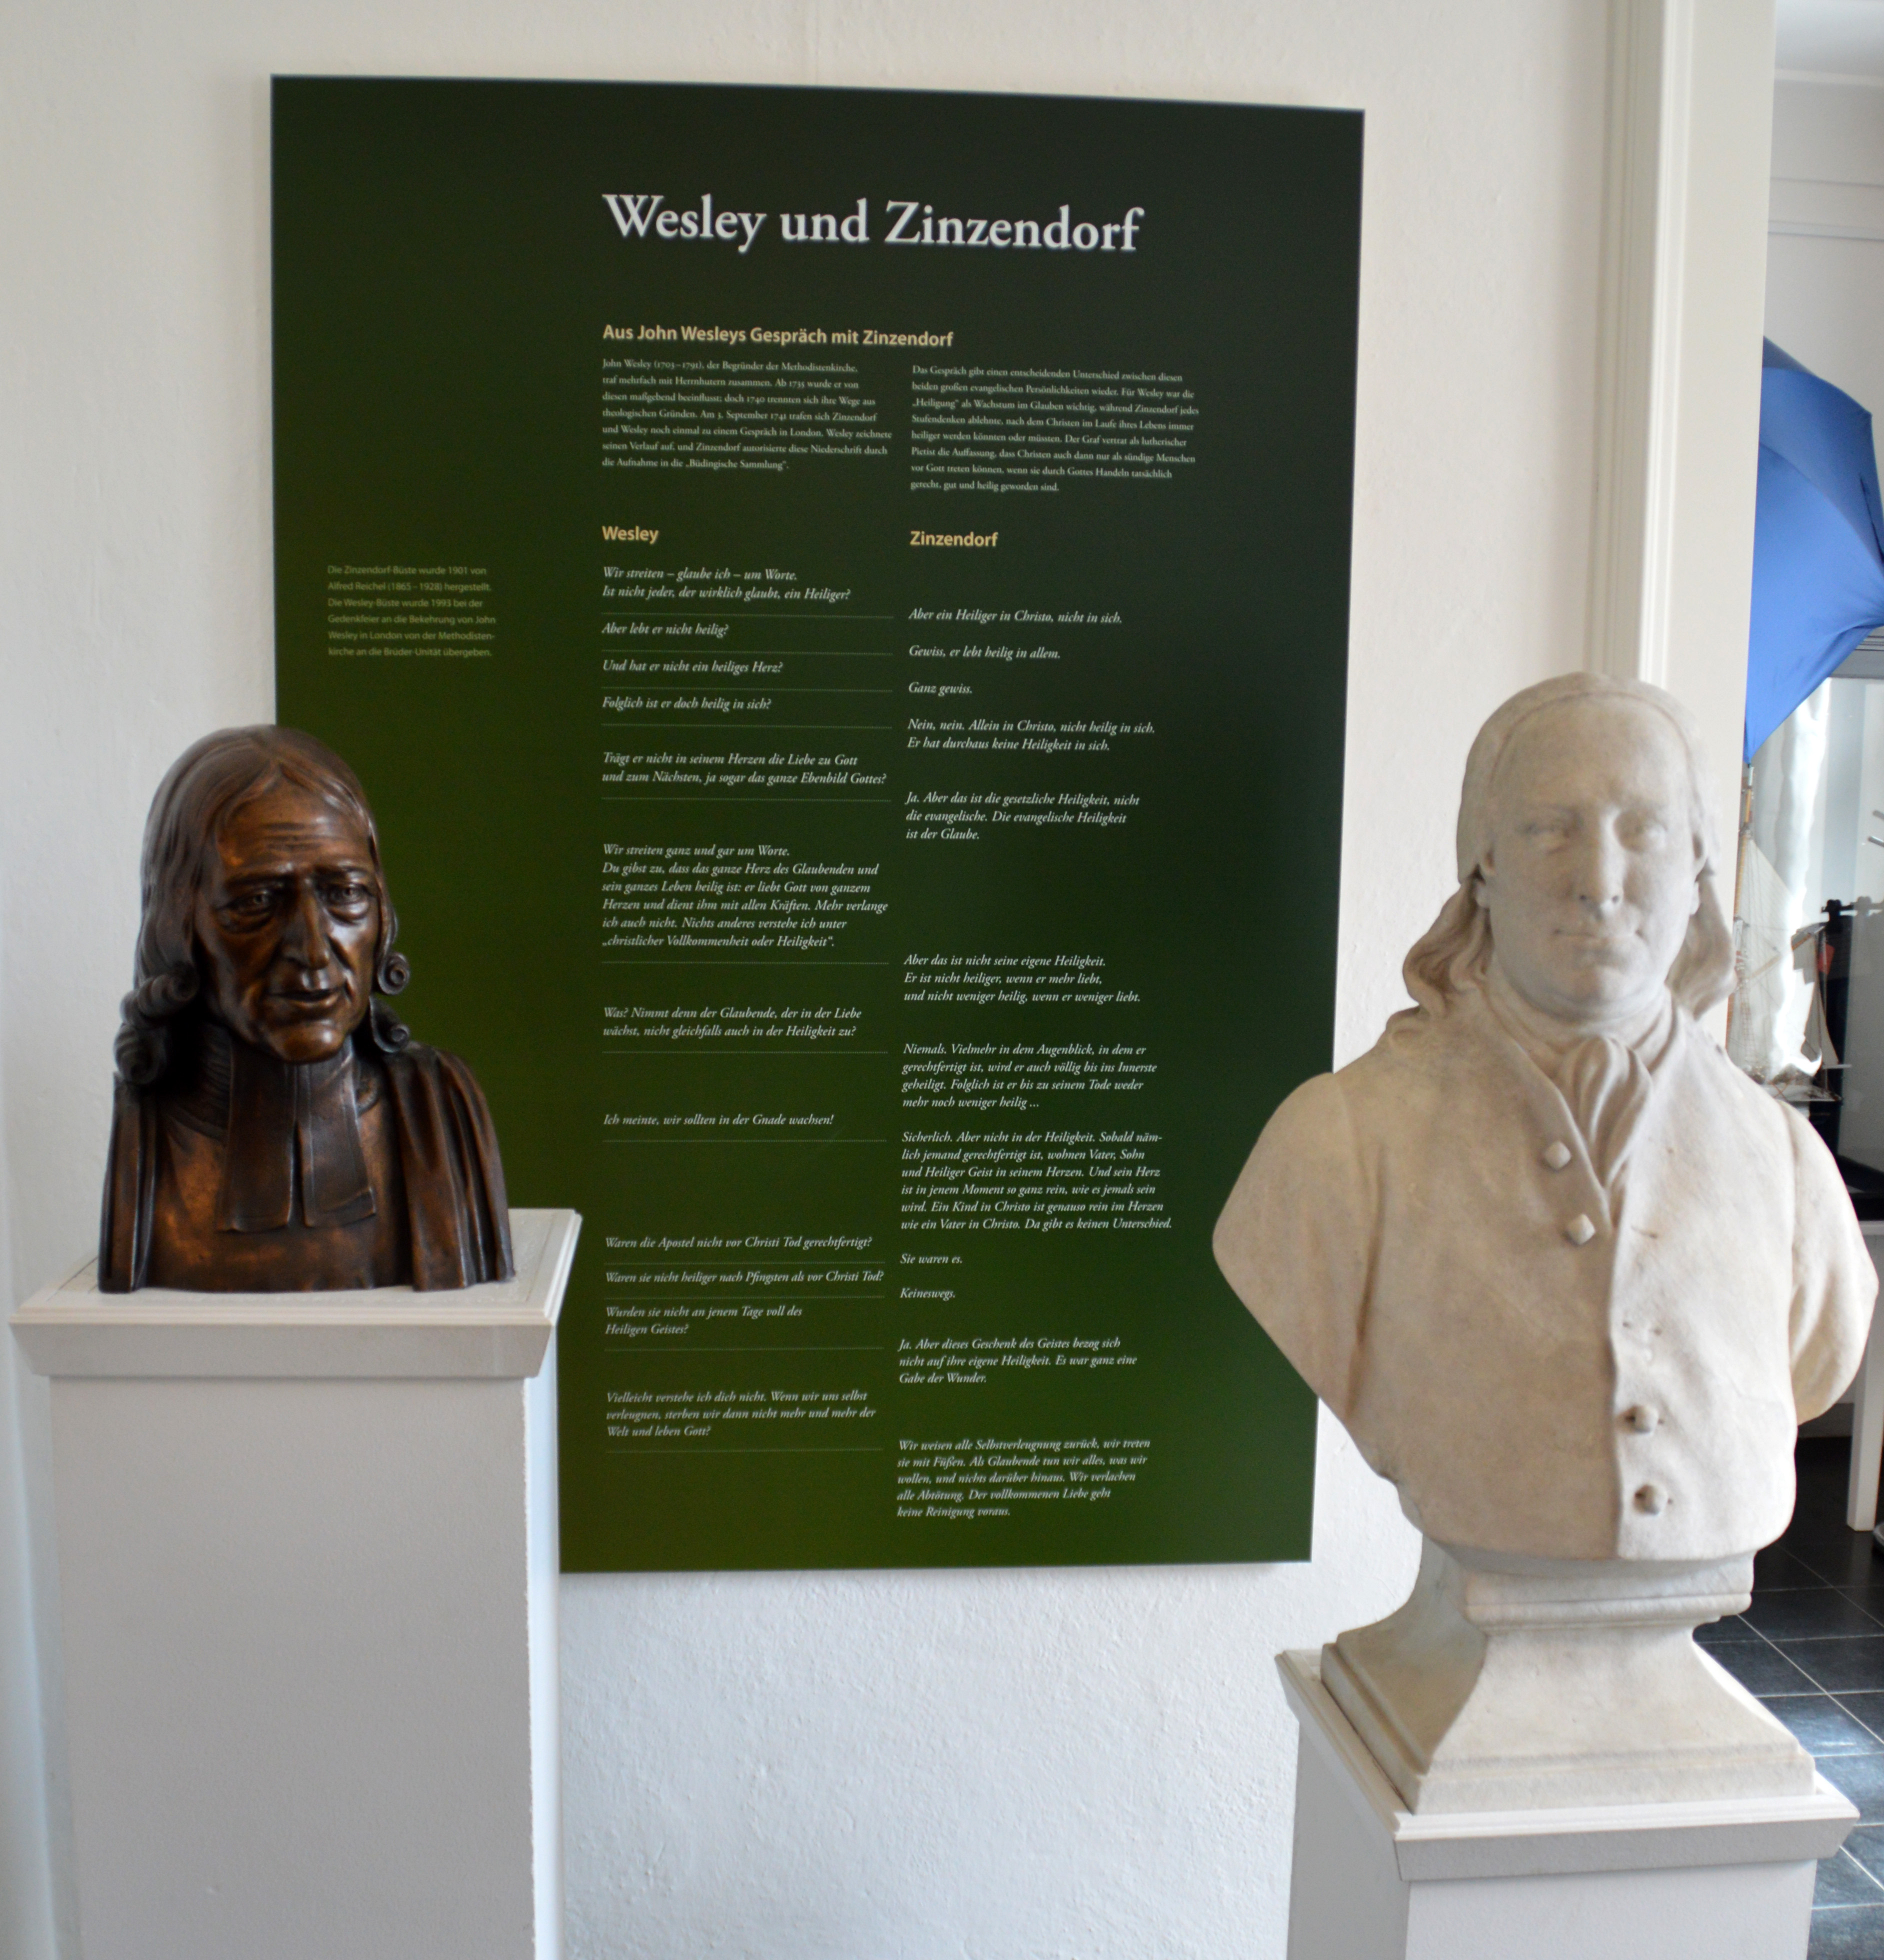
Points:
x=1423, y=1236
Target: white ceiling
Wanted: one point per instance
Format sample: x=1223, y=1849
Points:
x=1831, y=36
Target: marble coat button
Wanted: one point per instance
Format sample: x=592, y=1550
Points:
x=1653, y=1499
x=1640, y=1419
x=1579, y=1231
x=1556, y=1155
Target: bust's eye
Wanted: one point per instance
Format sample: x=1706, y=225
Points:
x=349, y=895
x=251, y=905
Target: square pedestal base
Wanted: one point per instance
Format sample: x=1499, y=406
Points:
x=1371, y=1881
x=307, y=1566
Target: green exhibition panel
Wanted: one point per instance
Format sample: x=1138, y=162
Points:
x=839, y=601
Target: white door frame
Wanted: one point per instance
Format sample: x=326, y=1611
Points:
x=1689, y=158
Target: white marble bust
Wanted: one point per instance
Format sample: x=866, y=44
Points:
x=1569, y=1278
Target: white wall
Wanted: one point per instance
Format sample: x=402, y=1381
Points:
x=1825, y=265
x=1096, y=1764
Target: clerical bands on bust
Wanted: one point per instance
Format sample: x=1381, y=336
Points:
x=1569, y=1279
x=275, y=1126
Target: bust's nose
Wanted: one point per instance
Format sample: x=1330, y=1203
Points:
x=1600, y=868
x=304, y=939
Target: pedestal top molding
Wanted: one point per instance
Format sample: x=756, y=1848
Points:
x=496, y=1330
x=1595, y=1837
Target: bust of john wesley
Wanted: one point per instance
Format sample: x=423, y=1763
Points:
x=276, y=1128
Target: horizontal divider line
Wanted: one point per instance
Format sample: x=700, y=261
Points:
x=698, y=687
x=790, y=727
x=761, y=1449
x=749, y=962
x=857, y=802
x=763, y=653
x=619, y=613
x=878, y=1349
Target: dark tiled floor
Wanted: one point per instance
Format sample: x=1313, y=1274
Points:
x=1812, y=1648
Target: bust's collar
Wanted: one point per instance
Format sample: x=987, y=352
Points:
x=203, y=1101
x=294, y=1143
x=290, y=1131
x=1548, y=1041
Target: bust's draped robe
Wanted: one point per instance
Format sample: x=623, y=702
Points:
x=369, y=1169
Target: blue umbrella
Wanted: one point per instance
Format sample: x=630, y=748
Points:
x=1818, y=541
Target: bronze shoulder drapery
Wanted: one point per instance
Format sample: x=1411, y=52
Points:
x=452, y=1225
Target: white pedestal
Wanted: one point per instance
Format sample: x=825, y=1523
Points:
x=307, y=1565
x=1507, y=1683
x=1731, y=1879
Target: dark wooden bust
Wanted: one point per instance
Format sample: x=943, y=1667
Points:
x=276, y=1128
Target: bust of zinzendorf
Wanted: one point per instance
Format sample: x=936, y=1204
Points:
x=275, y=1127
x=1568, y=1277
